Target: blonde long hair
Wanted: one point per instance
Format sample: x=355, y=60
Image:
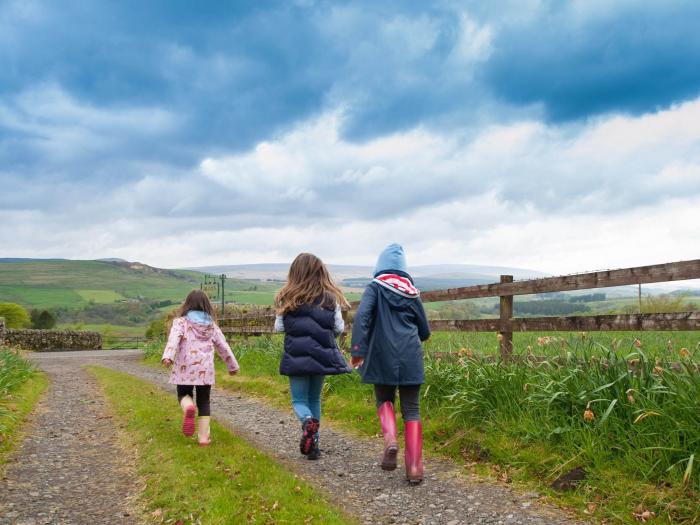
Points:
x=308, y=282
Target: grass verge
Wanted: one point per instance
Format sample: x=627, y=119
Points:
x=21, y=386
x=228, y=482
x=15, y=408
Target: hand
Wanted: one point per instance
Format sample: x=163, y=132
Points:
x=357, y=362
x=234, y=372
x=167, y=362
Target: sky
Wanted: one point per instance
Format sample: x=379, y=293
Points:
x=555, y=136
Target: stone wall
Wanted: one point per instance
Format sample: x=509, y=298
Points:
x=2, y=330
x=53, y=340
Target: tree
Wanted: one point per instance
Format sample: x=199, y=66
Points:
x=15, y=316
x=43, y=320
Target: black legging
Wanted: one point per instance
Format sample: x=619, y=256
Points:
x=408, y=394
x=202, y=398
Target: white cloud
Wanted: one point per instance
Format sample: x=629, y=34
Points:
x=60, y=127
x=615, y=193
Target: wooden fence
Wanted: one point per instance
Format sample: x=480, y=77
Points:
x=506, y=289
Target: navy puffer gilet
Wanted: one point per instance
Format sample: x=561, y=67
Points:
x=309, y=343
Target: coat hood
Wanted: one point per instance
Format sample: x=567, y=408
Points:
x=391, y=258
x=201, y=330
x=398, y=284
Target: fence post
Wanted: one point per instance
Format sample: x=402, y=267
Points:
x=506, y=311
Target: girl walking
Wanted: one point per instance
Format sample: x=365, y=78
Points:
x=386, y=346
x=309, y=313
x=190, y=351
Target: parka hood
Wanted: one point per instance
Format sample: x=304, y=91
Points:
x=391, y=258
x=398, y=284
x=200, y=330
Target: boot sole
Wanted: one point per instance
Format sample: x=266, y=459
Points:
x=188, y=422
x=389, y=458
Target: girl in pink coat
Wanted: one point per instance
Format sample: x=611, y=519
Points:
x=190, y=351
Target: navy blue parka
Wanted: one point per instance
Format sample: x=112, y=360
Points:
x=387, y=332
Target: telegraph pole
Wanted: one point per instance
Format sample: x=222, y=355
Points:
x=223, y=278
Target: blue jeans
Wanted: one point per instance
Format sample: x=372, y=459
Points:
x=306, y=396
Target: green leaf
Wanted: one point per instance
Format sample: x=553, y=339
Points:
x=607, y=411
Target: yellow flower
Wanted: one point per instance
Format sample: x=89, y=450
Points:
x=637, y=343
x=684, y=352
x=588, y=415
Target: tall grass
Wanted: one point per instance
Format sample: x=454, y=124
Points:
x=599, y=405
x=14, y=372
x=628, y=412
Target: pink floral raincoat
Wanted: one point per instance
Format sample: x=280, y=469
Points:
x=191, y=349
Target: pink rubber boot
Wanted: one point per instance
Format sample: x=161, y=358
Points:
x=414, y=451
x=387, y=419
x=188, y=411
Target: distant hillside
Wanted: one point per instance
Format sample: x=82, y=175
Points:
x=449, y=275
x=65, y=283
x=24, y=259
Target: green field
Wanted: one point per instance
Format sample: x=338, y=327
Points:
x=100, y=296
x=52, y=284
x=653, y=343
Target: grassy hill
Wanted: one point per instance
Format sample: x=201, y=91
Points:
x=72, y=284
x=75, y=284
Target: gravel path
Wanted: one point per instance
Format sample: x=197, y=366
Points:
x=348, y=470
x=69, y=468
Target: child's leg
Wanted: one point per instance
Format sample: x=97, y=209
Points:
x=315, y=388
x=413, y=432
x=184, y=396
x=203, y=404
x=314, y=395
x=204, y=409
x=409, y=396
x=184, y=391
x=299, y=389
x=385, y=395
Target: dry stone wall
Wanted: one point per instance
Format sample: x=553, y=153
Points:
x=53, y=340
x=2, y=330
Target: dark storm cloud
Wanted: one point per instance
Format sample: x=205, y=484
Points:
x=120, y=102
x=578, y=61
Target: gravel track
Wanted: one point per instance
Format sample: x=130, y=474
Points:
x=70, y=468
x=348, y=470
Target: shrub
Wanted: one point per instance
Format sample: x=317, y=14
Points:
x=43, y=320
x=15, y=316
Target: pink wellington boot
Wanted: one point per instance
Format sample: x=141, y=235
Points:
x=188, y=411
x=387, y=419
x=414, y=451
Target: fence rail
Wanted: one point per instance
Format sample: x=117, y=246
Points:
x=506, y=324
x=114, y=342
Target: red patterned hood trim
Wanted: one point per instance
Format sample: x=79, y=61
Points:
x=398, y=284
